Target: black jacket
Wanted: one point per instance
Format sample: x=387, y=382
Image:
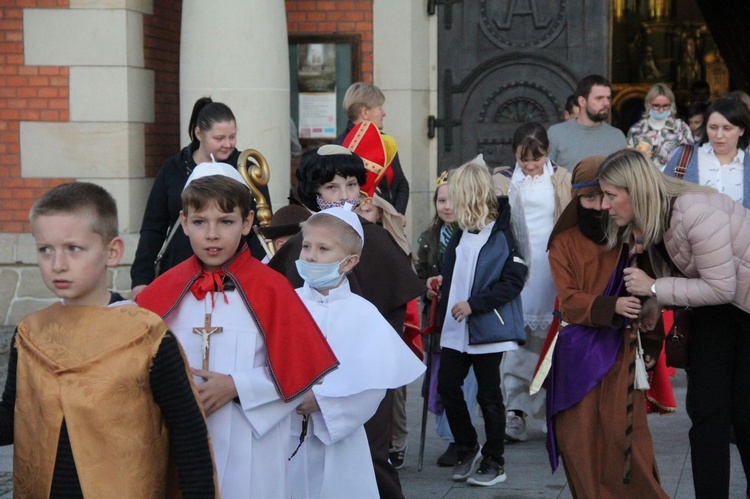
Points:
x=398, y=192
x=163, y=210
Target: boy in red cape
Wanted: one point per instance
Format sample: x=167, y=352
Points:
x=247, y=336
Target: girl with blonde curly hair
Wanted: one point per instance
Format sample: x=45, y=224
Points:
x=480, y=310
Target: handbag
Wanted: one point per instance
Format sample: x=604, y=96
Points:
x=676, y=342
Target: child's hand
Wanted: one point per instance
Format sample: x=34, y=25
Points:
x=461, y=310
x=216, y=392
x=308, y=405
x=650, y=314
x=650, y=362
x=434, y=289
x=628, y=306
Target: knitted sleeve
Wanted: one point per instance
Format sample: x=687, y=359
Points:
x=187, y=428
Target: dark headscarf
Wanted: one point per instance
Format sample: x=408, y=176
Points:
x=584, y=183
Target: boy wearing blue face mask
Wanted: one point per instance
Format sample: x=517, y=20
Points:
x=252, y=345
x=371, y=361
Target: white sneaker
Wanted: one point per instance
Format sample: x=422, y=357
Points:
x=515, y=428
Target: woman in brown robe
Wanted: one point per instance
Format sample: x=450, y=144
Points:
x=596, y=418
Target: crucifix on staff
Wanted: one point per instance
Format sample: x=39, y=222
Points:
x=205, y=333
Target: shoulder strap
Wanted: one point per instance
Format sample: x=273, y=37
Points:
x=682, y=162
x=163, y=249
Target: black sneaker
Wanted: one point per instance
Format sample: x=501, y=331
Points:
x=467, y=464
x=489, y=473
x=396, y=456
x=449, y=457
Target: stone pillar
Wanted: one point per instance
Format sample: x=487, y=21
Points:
x=111, y=97
x=404, y=67
x=236, y=52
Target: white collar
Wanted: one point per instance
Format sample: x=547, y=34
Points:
x=707, y=148
x=519, y=177
x=340, y=292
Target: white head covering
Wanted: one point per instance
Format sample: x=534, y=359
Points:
x=333, y=149
x=209, y=169
x=346, y=214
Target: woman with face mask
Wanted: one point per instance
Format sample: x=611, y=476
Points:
x=660, y=132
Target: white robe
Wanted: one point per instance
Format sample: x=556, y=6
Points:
x=250, y=439
x=334, y=461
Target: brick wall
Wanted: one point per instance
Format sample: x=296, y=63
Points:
x=27, y=93
x=341, y=17
x=161, y=40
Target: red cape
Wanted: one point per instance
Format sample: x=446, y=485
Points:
x=297, y=352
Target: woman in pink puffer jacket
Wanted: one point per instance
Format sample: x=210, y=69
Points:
x=699, y=244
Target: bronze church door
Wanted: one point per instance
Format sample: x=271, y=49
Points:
x=502, y=63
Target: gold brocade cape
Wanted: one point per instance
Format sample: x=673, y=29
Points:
x=90, y=366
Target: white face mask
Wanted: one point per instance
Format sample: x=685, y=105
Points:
x=320, y=275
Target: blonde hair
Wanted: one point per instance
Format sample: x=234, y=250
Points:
x=654, y=92
x=360, y=95
x=345, y=234
x=472, y=196
x=650, y=193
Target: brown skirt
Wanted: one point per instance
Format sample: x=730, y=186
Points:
x=593, y=442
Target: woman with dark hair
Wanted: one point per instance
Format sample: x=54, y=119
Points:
x=333, y=176
x=213, y=136
x=720, y=160
x=698, y=241
x=660, y=131
x=543, y=191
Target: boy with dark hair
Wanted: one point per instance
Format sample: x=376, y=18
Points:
x=246, y=334
x=98, y=391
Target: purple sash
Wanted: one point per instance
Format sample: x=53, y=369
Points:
x=582, y=357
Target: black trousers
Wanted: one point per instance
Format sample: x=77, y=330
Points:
x=378, y=430
x=718, y=395
x=454, y=366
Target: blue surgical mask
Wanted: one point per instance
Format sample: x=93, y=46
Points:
x=659, y=115
x=320, y=275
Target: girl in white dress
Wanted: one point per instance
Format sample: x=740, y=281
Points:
x=543, y=189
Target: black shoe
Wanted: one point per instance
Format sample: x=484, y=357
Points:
x=396, y=456
x=449, y=457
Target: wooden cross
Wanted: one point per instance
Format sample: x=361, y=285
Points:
x=205, y=332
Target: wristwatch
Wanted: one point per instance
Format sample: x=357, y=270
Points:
x=653, y=290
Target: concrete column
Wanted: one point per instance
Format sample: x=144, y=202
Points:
x=405, y=68
x=111, y=98
x=236, y=52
